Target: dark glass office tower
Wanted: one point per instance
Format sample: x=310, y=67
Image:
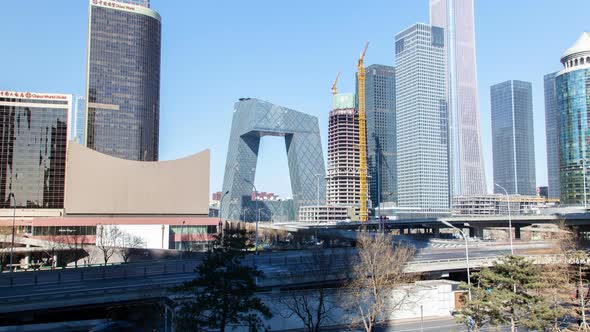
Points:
x=123, y=79
x=33, y=139
x=513, y=139
x=552, y=132
x=381, y=130
x=573, y=108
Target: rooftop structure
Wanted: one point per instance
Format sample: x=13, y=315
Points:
x=98, y=184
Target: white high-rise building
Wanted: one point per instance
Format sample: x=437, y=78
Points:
x=456, y=17
x=422, y=121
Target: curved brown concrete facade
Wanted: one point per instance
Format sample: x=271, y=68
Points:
x=100, y=184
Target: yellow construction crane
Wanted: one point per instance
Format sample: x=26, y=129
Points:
x=364, y=215
x=335, y=90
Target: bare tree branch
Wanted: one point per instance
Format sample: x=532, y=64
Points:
x=312, y=306
x=376, y=274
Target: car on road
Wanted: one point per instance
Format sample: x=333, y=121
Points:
x=113, y=326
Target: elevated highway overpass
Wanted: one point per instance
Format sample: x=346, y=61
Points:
x=27, y=292
x=578, y=221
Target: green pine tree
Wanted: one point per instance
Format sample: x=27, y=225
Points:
x=516, y=292
x=223, y=293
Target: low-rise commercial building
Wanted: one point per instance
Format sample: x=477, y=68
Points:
x=161, y=205
x=496, y=204
x=325, y=213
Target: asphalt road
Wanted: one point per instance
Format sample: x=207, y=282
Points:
x=166, y=273
x=431, y=325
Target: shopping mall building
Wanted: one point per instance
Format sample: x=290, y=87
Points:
x=51, y=187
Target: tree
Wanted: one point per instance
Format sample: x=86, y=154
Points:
x=74, y=243
x=312, y=306
x=129, y=243
x=555, y=289
x=517, y=292
x=223, y=293
x=480, y=310
x=5, y=242
x=54, y=245
x=376, y=274
x=579, y=259
x=108, y=240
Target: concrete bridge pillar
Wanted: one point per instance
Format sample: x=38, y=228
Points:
x=28, y=256
x=436, y=232
x=517, y=232
x=476, y=232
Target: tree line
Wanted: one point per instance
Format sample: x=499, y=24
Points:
x=512, y=292
x=224, y=292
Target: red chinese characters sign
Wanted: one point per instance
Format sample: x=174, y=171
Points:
x=31, y=95
x=112, y=4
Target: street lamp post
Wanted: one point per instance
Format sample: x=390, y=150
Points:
x=379, y=190
x=221, y=222
x=181, y=238
x=13, y=222
x=318, y=193
x=318, y=200
x=258, y=220
x=466, y=254
x=509, y=218
x=584, y=176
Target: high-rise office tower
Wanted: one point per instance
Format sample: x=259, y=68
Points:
x=123, y=79
x=381, y=149
x=552, y=134
x=33, y=139
x=78, y=120
x=422, y=123
x=513, y=139
x=343, y=180
x=252, y=120
x=573, y=106
x=467, y=167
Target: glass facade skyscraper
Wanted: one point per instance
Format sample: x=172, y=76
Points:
x=467, y=167
x=573, y=105
x=33, y=139
x=381, y=132
x=252, y=120
x=513, y=139
x=123, y=79
x=552, y=134
x=78, y=120
x=422, y=120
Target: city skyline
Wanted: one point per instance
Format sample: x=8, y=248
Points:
x=194, y=103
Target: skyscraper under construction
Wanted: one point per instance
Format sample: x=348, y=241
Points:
x=343, y=152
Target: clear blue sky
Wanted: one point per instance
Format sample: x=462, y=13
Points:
x=286, y=52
